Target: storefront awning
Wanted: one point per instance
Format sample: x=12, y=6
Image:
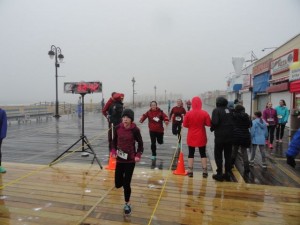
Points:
x=295, y=86
x=237, y=87
x=278, y=87
x=260, y=83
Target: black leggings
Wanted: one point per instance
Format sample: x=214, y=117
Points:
x=156, y=136
x=202, y=151
x=176, y=130
x=271, y=129
x=280, y=130
x=123, y=175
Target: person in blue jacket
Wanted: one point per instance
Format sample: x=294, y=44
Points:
x=3, y=131
x=282, y=115
x=293, y=150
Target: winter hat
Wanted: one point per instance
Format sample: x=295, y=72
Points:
x=129, y=113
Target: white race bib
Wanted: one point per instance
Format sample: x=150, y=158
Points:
x=178, y=118
x=156, y=119
x=279, y=116
x=270, y=119
x=122, y=154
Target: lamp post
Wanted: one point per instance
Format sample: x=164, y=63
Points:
x=155, y=93
x=165, y=96
x=133, y=82
x=56, y=52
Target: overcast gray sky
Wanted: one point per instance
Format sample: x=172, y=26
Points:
x=181, y=46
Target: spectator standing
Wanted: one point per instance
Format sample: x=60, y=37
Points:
x=283, y=115
x=241, y=135
x=222, y=126
x=294, y=149
x=195, y=120
x=259, y=133
x=270, y=117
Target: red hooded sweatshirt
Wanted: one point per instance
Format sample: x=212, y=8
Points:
x=196, y=120
x=156, y=119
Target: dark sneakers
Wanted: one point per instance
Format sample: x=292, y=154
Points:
x=221, y=177
x=190, y=174
x=127, y=209
x=226, y=177
x=218, y=177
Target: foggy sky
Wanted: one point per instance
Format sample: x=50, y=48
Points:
x=181, y=46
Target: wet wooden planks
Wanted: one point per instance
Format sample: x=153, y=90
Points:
x=64, y=194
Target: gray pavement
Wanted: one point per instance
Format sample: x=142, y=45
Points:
x=41, y=142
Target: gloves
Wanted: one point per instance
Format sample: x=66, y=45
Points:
x=113, y=153
x=137, y=159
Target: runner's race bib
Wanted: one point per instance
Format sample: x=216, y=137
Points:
x=122, y=154
x=178, y=118
x=270, y=119
x=279, y=116
x=156, y=119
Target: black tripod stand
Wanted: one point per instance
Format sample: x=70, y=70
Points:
x=83, y=139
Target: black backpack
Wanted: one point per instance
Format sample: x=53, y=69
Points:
x=115, y=113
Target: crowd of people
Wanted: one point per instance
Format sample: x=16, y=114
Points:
x=233, y=130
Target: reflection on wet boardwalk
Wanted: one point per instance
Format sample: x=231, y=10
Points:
x=74, y=191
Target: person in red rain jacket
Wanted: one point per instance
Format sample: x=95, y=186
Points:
x=196, y=120
x=155, y=117
x=176, y=115
x=108, y=104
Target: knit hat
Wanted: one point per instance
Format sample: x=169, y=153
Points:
x=129, y=113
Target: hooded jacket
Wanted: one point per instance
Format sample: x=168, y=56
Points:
x=270, y=116
x=196, y=120
x=222, y=121
x=3, y=124
x=282, y=114
x=294, y=146
x=241, y=133
x=155, y=119
x=259, y=131
x=125, y=138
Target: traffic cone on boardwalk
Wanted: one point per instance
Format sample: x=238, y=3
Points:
x=112, y=163
x=180, y=166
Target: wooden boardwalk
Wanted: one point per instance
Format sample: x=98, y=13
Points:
x=74, y=191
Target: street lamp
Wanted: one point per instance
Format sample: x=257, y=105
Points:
x=133, y=82
x=155, y=92
x=56, y=51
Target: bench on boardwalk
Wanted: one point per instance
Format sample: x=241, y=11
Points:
x=37, y=112
x=14, y=115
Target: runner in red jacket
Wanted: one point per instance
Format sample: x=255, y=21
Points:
x=176, y=115
x=156, y=117
x=196, y=120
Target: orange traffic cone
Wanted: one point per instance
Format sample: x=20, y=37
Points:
x=180, y=166
x=111, y=163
